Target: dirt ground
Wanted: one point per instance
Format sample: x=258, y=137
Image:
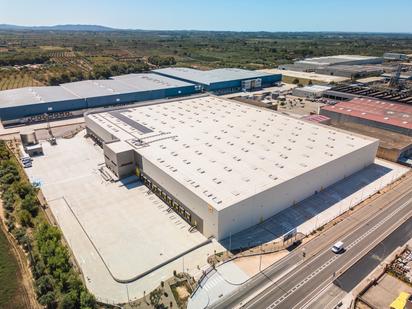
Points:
x=250, y=265
x=182, y=292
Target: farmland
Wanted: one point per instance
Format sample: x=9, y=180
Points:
x=10, y=286
x=31, y=58
x=18, y=80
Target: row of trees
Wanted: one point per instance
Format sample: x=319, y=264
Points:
x=161, y=61
x=10, y=59
x=99, y=72
x=102, y=72
x=57, y=285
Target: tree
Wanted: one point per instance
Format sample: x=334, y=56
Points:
x=24, y=218
x=155, y=297
x=44, y=284
x=48, y=300
x=70, y=301
x=296, y=81
x=87, y=300
x=23, y=189
x=31, y=204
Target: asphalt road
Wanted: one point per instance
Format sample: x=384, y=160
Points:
x=362, y=268
x=354, y=275
x=305, y=279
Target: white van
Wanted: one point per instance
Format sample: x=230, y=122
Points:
x=338, y=247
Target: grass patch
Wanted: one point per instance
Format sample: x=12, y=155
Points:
x=8, y=270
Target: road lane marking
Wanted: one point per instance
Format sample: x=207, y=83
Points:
x=334, y=258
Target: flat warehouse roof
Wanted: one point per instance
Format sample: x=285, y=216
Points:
x=97, y=88
x=308, y=75
x=225, y=151
x=150, y=81
x=130, y=83
x=211, y=76
x=314, y=88
x=330, y=60
x=34, y=95
x=376, y=110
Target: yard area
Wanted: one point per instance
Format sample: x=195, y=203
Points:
x=117, y=231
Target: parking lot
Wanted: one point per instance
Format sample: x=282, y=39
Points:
x=117, y=231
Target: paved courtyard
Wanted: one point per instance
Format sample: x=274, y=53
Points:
x=117, y=231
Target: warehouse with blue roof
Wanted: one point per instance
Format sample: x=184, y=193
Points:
x=222, y=81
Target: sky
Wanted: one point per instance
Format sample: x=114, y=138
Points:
x=230, y=15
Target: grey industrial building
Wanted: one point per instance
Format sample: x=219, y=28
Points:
x=222, y=165
x=310, y=92
x=40, y=103
x=351, y=71
x=313, y=64
x=222, y=81
x=395, y=56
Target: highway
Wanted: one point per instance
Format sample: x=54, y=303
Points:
x=294, y=282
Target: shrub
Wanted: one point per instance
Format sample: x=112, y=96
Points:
x=24, y=218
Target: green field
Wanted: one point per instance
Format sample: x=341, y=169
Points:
x=8, y=271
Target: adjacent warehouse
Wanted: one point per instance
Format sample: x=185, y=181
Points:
x=226, y=166
x=395, y=56
x=310, y=92
x=222, y=81
x=42, y=103
x=351, y=71
x=306, y=78
x=128, y=88
x=35, y=103
x=389, y=122
x=313, y=64
x=375, y=113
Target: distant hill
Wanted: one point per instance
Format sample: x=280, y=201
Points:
x=92, y=28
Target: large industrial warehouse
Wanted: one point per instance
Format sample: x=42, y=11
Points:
x=226, y=166
x=33, y=103
x=223, y=80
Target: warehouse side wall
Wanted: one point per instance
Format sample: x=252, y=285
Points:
x=22, y=111
x=189, y=200
x=264, y=205
x=97, y=132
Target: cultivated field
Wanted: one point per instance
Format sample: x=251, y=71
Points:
x=12, y=293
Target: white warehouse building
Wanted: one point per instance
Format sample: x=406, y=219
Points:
x=225, y=166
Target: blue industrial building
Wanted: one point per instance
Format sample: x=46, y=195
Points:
x=23, y=103
x=222, y=81
x=32, y=104
x=41, y=103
